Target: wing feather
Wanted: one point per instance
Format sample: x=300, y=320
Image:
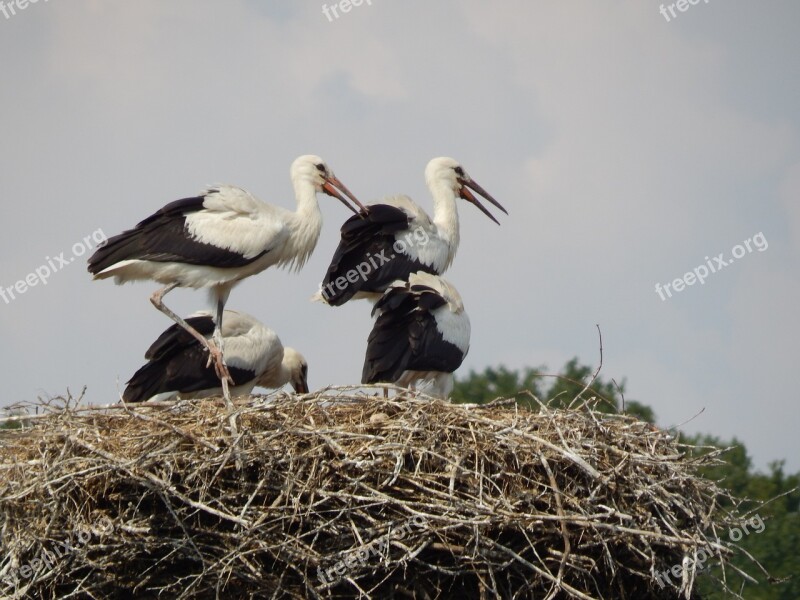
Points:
x=405, y=336
x=366, y=247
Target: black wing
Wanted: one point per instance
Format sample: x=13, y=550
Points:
x=405, y=337
x=176, y=339
x=367, y=242
x=163, y=237
x=177, y=363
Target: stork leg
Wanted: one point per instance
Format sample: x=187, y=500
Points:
x=215, y=353
x=221, y=296
x=222, y=368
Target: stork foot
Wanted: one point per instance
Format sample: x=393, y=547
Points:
x=215, y=357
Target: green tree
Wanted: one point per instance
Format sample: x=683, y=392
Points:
x=562, y=391
x=479, y=388
x=772, y=497
x=571, y=382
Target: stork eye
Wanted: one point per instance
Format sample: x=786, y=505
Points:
x=320, y=167
x=459, y=171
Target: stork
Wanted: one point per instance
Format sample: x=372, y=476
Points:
x=396, y=237
x=218, y=238
x=420, y=336
x=177, y=365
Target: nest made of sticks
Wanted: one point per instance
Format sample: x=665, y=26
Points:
x=343, y=494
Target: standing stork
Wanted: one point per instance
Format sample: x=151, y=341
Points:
x=420, y=336
x=218, y=238
x=177, y=365
x=396, y=237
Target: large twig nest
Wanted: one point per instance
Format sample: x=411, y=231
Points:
x=343, y=494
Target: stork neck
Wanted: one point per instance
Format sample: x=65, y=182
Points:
x=275, y=378
x=445, y=217
x=306, y=198
x=305, y=223
x=309, y=216
x=284, y=375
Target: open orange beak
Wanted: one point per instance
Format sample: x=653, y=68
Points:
x=333, y=187
x=466, y=194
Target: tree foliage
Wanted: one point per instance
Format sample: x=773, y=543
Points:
x=555, y=390
x=773, y=497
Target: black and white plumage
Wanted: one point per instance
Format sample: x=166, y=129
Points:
x=178, y=366
x=420, y=336
x=396, y=237
x=218, y=238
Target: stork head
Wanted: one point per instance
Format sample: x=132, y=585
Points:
x=312, y=170
x=448, y=172
x=295, y=365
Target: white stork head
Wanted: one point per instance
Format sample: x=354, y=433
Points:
x=445, y=173
x=311, y=170
x=295, y=364
x=293, y=370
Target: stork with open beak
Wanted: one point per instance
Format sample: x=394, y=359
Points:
x=396, y=237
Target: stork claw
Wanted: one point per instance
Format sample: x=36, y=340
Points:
x=220, y=368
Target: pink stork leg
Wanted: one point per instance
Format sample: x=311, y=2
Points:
x=215, y=353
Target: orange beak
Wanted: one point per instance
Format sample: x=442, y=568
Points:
x=333, y=187
x=466, y=194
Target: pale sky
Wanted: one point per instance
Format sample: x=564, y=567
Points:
x=626, y=147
